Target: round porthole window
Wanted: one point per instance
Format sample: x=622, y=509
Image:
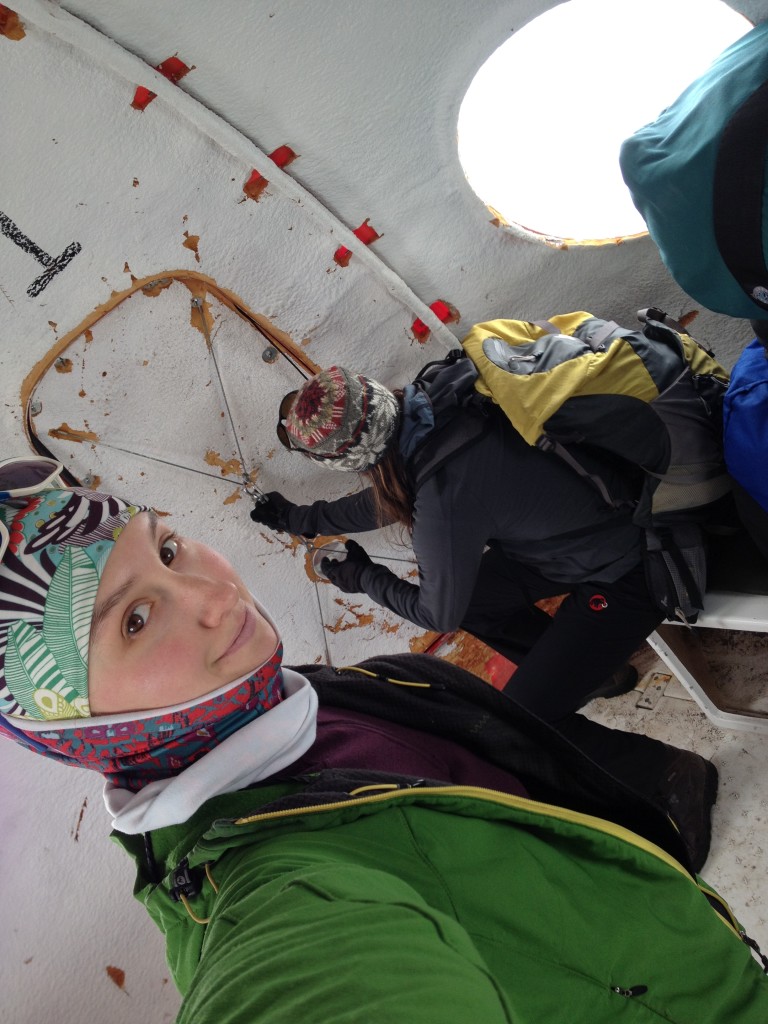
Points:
x=541, y=124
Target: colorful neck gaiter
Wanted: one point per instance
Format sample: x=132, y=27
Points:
x=133, y=750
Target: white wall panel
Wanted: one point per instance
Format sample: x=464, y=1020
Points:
x=367, y=93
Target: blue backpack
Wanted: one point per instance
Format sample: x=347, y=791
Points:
x=697, y=175
x=745, y=422
x=745, y=440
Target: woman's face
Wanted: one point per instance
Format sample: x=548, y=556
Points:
x=172, y=621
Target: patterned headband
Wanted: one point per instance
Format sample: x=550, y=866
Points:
x=59, y=542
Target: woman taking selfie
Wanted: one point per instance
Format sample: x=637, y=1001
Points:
x=394, y=841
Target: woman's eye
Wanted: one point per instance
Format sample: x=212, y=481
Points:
x=137, y=620
x=168, y=550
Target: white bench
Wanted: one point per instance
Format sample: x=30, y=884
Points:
x=737, y=600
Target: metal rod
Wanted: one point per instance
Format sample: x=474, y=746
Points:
x=250, y=488
x=322, y=625
x=165, y=462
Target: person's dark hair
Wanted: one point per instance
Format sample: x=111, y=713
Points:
x=392, y=496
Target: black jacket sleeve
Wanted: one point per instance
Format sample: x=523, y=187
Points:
x=449, y=537
x=354, y=513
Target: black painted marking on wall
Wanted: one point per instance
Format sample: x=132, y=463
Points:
x=53, y=264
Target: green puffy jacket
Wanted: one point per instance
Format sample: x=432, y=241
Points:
x=354, y=897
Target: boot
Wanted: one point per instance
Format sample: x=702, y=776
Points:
x=623, y=680
x=687, y=791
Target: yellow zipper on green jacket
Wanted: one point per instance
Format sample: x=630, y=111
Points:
x=394, y=792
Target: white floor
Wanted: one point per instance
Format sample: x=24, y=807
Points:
x=738, y=862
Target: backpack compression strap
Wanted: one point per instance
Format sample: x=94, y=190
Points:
x=596, y=340
x=737, y=195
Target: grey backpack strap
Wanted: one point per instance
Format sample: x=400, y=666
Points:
x=546, y=444
x=602, y=334
x=547, y=326
x=654, y=313
x=595, y=341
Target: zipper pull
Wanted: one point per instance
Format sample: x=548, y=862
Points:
x=186, y=881
x=756, y=951
x=635, y=990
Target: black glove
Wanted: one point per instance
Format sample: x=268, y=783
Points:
x=273, y=512
x=347, y=574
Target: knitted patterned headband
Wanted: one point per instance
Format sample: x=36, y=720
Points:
x=343, y=419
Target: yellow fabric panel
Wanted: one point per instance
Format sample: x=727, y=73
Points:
x=702, y=363
x=530, y=399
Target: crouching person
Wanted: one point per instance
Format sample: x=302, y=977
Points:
x=389, y=842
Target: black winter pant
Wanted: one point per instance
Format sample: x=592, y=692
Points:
x=562, y=659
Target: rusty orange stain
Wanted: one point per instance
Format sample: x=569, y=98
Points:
x=192, y=242
x=228, y=466
x=116, y=975
x=551, y=604
x=362, y=618
x=63, y=365
x=10, y=26
x=76, y=831
x=95, y=483
x=234, y=496
x=421, y=644
x=291, y=545
x=88, y=334
x=319, y=542
x=255, y=185
x=201, y=317
x=67, y=433
x=466, y=651
x=277, y=538
x=82, y=393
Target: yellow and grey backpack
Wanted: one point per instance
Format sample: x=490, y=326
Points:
x=651, y=397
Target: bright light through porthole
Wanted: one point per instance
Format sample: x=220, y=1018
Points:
x=542, y=121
